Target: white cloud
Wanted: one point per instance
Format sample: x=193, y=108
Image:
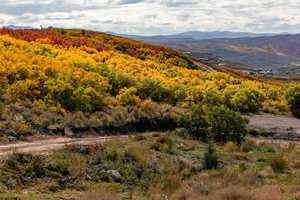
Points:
x=155, y=16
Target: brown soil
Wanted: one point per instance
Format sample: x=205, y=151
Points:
x=43, y=146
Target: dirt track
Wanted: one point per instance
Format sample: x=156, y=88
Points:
x=283, y=130
x=52, y=144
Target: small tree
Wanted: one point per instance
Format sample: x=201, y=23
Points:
x=226, y=125
x=210, y=160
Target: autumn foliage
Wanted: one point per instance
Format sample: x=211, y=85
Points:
x=53, y=38
x=79, y=74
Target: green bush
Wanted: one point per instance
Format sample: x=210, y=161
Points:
x=278, y=163
x=293, y=98
x=210, y=160
x=153, y=89
x=247, y=100
x=226, y=125
x=195, y=123
x=219, y=125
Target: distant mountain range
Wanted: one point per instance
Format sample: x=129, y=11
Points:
x=262, y=52
x=17, y=27
x=197, y=35
x=269, y=51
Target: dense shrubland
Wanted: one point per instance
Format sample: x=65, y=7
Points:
x=57, y=78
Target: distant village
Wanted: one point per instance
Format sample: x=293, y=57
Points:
x=257, y=71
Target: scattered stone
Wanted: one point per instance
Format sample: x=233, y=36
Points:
x=115, y=175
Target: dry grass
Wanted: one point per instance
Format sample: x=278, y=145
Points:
x=94, y=195
x=231, y=194
x=185, y=195
x=269, y=193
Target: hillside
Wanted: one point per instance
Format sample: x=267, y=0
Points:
x=262, y=52
x=70, y=82
x=70, y=91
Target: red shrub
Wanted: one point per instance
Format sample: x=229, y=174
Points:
x=55, y=38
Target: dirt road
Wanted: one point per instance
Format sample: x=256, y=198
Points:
x=53, y=144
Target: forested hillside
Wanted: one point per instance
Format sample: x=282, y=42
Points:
x=56, y=79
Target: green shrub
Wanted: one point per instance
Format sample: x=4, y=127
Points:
x=195, y=123
x=278, y=163
x=210, y=160
x=266, y=148
x=248, y=146
x=150, y=88
x=247, y=100
x=226, y=125
x=293, y=98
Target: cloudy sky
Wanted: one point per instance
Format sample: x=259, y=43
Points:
x=148, y=17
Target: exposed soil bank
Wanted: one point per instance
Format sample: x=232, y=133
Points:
x=276, y=126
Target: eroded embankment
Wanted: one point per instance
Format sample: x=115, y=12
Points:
x=278, y=127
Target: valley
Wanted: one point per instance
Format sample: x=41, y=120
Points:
x=268, y=52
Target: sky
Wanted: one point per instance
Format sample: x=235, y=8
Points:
x=152, y=17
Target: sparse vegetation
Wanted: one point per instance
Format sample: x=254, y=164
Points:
x=179, y=169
